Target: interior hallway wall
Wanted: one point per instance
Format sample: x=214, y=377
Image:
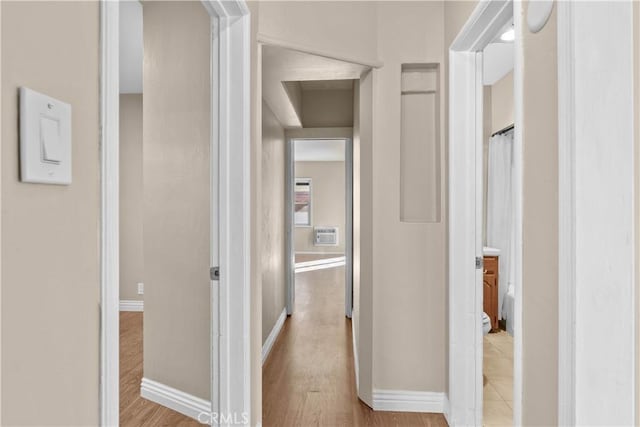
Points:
x=176, y=135
x=273, y=221
x=410, y=290
x=409, y=304
x=327, y=204
x=131, y=196
x=540, y=224
x=51, y=233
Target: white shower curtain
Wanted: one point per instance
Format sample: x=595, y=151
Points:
x=500, y=210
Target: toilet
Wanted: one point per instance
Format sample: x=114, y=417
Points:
x=486, y=323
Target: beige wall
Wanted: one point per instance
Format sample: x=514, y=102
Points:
x=327, y=204
x=131, y=196
x=409, y=325
x=327, y=108
x=273, y=221
x=176, y=123
x=409, y=303
x=50, y=233
x=540, y=226
x=351, y=33
x=502, y=103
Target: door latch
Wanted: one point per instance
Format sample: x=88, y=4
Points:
x=479, y=263
x=214, y=273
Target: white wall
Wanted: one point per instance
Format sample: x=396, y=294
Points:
x=327, y=204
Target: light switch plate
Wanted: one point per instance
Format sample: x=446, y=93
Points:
x=45, y=139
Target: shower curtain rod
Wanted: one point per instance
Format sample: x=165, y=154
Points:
x=503, y=130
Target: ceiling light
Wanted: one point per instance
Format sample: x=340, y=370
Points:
x=508, y=36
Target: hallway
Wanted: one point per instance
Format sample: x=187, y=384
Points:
x=308, y=378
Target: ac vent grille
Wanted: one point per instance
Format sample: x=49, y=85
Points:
x=325, y=236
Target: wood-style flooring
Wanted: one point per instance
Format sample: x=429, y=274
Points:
x=308, y=378
x=134, y=410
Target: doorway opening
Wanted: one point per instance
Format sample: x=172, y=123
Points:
x=220, y=37
x=320, y=214
x=485, y=217
x=311, y=131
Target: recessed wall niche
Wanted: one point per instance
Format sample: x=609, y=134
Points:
x=420, y=160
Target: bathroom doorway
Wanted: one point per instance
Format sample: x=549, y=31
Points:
x=485, y=329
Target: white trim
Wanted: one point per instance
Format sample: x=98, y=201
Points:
x=273, y=41
x=131, y=305
x=566, y=220
x=348, y=242
x=518, y=166
x=356, y=365
x=409, y=401
x=597, y=363
x=464, y=405
x=446, y=410
x=273, y=335
x=290, y=264
x=185, y=403
x=234, y=387
x=109, y=224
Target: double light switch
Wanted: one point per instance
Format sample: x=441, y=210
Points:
x=45, y=139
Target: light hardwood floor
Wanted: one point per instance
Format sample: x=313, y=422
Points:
x=308, y=378
x=134, y=410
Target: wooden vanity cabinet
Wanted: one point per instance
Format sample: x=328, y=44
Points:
x=490, y=290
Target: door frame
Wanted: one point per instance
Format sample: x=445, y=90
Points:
x=597, y=215
x=465, y=210
x=291, y=228
x=231, y=364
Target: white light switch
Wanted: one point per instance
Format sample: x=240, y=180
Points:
x=50, y=138
x=45, y=139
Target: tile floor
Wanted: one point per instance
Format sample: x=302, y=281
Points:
x=498, y=379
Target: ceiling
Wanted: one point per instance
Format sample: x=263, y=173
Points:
x=285, y=74
x=131, y=46
x=319, y=150
x=498, y=58
x=497, y=62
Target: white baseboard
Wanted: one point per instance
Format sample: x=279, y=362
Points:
x=271, y=339
x=131, y=305
x=179, y=401
x=355, y=355
x=447, y=410
x=409, y=401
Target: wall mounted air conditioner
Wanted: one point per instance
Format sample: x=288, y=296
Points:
x=325, y=236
